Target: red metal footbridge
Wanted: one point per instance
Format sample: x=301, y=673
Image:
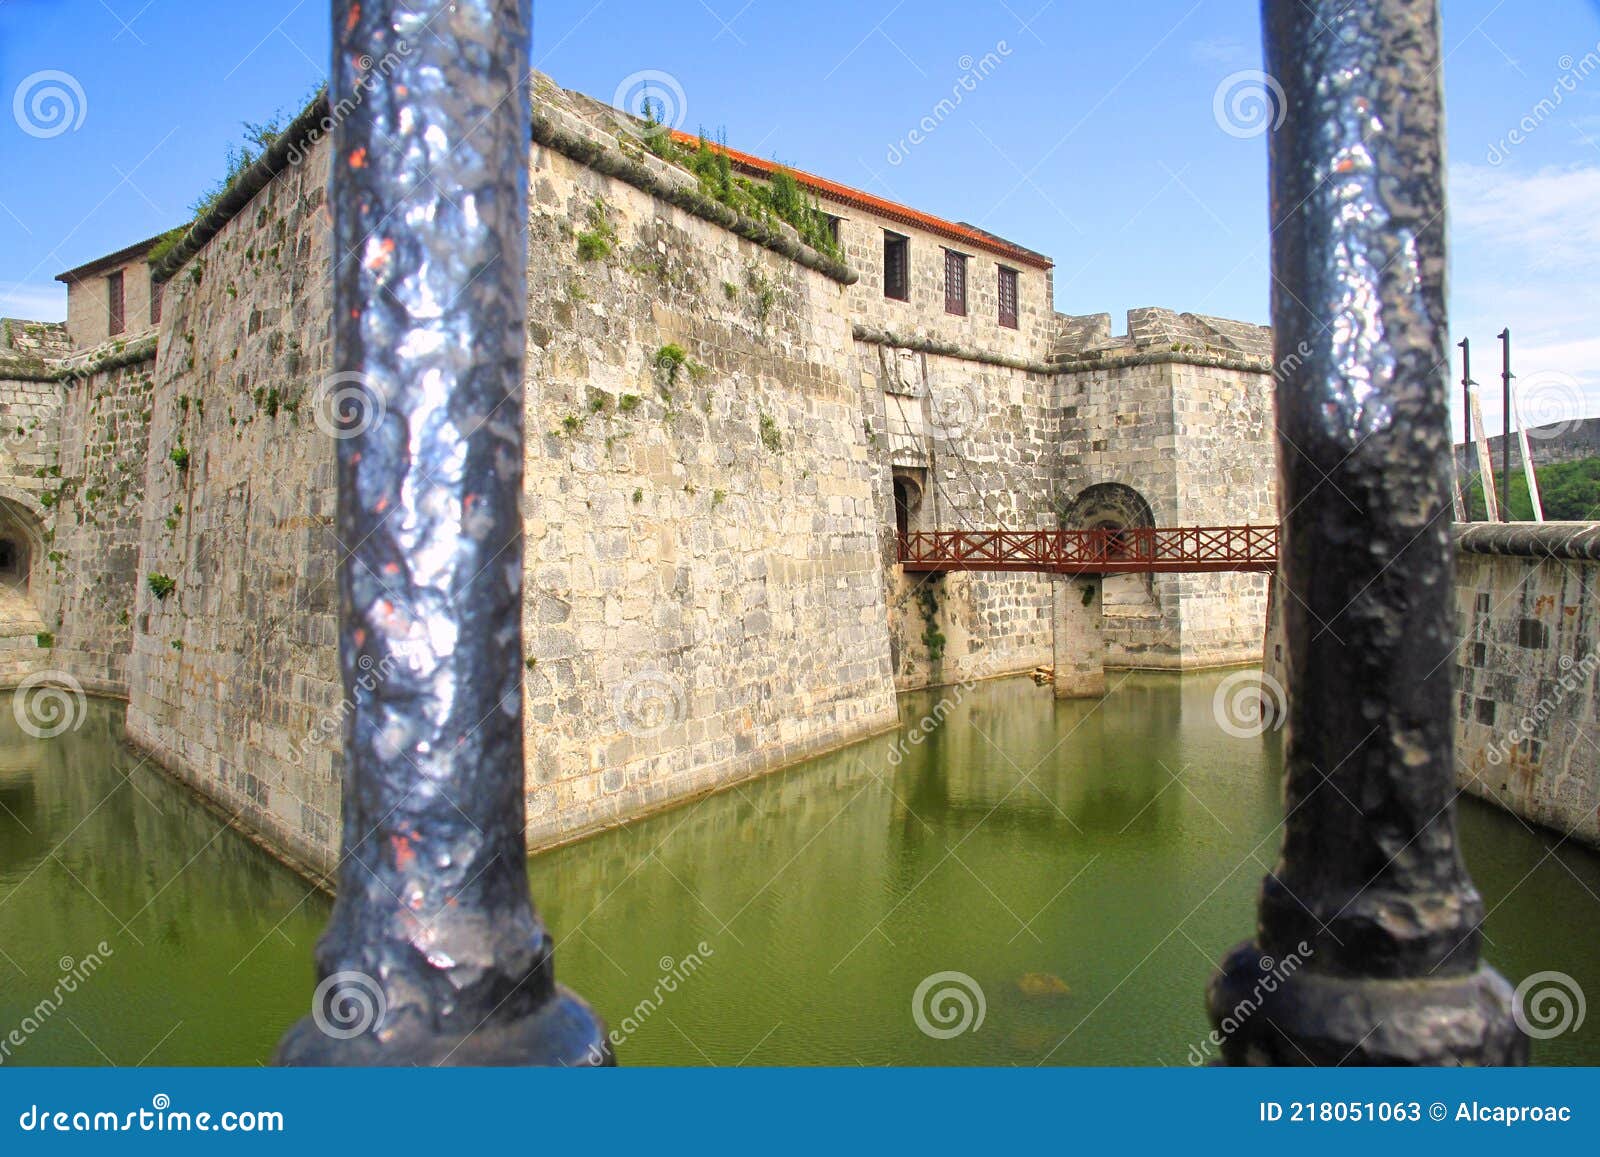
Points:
x=1134, y=550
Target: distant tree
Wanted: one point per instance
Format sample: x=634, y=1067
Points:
x=1570, y=492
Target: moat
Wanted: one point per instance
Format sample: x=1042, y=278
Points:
x=1086, y=864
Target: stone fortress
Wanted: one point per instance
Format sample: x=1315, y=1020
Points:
x=725, y=428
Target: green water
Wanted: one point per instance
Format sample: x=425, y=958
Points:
x=1084, y=865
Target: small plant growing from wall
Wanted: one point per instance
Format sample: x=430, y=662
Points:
x=669, y=363
x=180, y=456
x=765, y=295
x=627, y=403
x=771, y=438
x=45, y=639
x=596, y=242
x=161, y=585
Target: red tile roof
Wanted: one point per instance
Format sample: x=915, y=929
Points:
x=857, y=199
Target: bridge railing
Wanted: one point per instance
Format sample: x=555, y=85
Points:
x=1135, y=550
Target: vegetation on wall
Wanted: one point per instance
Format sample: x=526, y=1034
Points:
x=161, y=585
x=781, y=198
x=257, y=139
x=932, y=637
x=770, y=437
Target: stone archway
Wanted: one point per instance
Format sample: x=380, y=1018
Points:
x=21, y=550
x=907, y=498
x=1131, y=607
x=21, y=542
x=1108, y=506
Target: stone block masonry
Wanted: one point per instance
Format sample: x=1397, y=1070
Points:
x=1527, y=720
x=724, y=428
x=1528, y=672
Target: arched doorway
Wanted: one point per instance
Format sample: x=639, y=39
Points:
x=1130, y=606
x=21, y=538
x=907, y=498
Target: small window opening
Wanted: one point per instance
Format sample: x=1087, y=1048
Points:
x=114, y=303
x=955, y=283
x=896, y=266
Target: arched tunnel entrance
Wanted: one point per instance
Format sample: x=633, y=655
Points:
x=21, y=548
x=1129, y=600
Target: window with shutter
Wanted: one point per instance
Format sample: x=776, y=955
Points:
x=155, y=301
x=1008, y=297
x=896, y=266
x=114, y=318
x=955, y=283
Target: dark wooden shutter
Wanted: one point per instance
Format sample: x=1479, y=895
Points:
x=896, y=266
x=955, y=283
x=1008, y=297
x=114, y=317
x=155, y=301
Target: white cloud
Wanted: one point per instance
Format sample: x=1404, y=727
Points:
x=1525, y=254
x=43, y=301
x=1224, y=51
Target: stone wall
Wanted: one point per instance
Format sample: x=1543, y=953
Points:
x=704, y=587
x=85, y=582
x=975, y=442
x=1179, y=412
x=235, y=668
x=1528, y=672
x=717, y=418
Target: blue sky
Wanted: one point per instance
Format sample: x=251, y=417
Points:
x=1094, y=135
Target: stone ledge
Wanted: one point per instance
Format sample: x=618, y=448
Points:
x=285, y=151
x=926, y=345
x=1116, y=359
x=1578, y=541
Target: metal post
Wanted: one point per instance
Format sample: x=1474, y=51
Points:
x=1465, y=481
x=1370, y=898
x=434, y=954
x=1505, y=439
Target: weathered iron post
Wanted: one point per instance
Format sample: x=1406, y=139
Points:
x=434, y=954
x=1370, y=899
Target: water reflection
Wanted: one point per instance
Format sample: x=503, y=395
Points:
x=1083, y=864
x=209, y=938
